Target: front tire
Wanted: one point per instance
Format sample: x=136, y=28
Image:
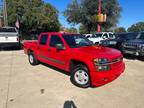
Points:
x=32, y=59
x=80, y=76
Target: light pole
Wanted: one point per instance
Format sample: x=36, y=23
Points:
x=99, y=12
x=5, y=13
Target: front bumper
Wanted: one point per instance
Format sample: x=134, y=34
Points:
x=102, y=78
x=135, y=52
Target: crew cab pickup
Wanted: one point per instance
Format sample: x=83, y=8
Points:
x=88, y=65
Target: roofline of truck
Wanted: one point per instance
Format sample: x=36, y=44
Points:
x=59, y=33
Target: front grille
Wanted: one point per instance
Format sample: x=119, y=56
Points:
x=131, y=45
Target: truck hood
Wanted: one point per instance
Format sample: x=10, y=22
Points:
x=136, y=41
x=101, y=52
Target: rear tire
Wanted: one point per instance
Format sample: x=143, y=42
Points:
x=80, y=76
x=32, y=59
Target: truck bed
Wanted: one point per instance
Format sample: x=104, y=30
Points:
x=32, y=44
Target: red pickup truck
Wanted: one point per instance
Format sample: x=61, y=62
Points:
x=88, y=65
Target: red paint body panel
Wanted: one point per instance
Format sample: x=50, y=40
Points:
x=84, y=54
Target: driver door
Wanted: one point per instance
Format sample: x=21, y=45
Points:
x=58, y=58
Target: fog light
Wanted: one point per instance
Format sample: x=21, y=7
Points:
x=103, y=67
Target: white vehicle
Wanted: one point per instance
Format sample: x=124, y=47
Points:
x=98, y=37
x=9, y=37
x=108, y=35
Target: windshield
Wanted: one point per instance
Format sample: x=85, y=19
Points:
x=77, y=40
x=111, y=36
x=141, y=36
x=7, y=30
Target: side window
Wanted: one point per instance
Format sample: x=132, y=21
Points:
x=105, y=36
x=43, y=39
x=55, y=40
x=142, y=36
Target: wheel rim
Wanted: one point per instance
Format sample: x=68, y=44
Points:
x=81, y=77
x=31, y=59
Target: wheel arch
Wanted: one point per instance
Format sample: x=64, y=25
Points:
x=29, y=51
x=74, y=63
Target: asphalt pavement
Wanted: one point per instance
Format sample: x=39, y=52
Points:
x=41, y=86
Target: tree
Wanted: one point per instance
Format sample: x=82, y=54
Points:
x=83, y=30
x=33, y=15
x=120, y=30
x=86, y=12
x=138, y=27
x=69, y=30
x=72, y=30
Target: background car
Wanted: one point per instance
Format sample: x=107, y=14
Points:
x=98, y=37
x=9, y=37
x=120, y=38
x=134, y=46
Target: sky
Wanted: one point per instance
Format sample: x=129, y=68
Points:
x=132, y=11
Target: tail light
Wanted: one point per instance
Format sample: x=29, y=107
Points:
x=17, y=39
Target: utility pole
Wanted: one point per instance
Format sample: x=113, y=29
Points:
x=5, y=13
x=99, y=12
x=1, y=13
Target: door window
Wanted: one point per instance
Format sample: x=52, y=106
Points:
x=43, y=39
x=55, y=40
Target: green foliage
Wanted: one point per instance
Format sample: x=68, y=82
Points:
x=72, y=30
x=138, y=27
x=83, y=30
x=86, y=12
x=33, y=15
x=120, y=30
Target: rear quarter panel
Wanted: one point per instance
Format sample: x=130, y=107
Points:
x=30, y=45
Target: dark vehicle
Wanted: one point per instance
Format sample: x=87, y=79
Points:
x=135, y=46
x=120, y=38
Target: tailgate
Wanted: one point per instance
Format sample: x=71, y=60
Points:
x=9, y=38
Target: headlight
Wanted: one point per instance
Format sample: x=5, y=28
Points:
x=143, y=49
x=141, y=45
x=100, y=61
x=101, y=64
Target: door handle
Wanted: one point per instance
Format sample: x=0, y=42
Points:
x=49, y=49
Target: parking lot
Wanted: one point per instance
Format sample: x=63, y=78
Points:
x=26, y=86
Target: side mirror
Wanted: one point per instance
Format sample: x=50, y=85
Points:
x=87, y=36
x=60, y=46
